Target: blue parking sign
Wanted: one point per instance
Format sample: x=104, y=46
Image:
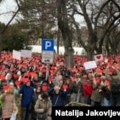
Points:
x=47, y=45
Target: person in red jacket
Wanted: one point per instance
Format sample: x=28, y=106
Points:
x=86, y=91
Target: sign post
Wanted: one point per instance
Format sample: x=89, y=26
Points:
x=47, y=50
x=47, y=53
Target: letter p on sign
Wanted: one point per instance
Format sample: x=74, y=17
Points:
x=47, y=45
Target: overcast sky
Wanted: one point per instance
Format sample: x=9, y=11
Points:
x=7, y=6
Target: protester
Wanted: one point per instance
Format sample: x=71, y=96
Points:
x=8, y=104
x=96, y=97
x=43, y=107
x=106, y=92
x=73, y=89
x=37, y=92
x=115, y=86
x=8, y=78
x=58, y=96
x=35, y=81
x=87, y=90
x=27, y=93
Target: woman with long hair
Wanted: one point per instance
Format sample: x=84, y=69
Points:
x=43, y=107
x=8, y=104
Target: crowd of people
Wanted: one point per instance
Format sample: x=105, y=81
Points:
x=28, y=93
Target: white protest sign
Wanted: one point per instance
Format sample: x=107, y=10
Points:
x=16, y=55
x=98, y=57
x=90, y=65
x=26, y=53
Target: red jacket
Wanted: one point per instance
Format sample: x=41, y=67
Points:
x=87, y=89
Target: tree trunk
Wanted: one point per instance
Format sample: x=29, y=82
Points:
x=91, y=46
x=69, y=58
x=89, y=55
x=99, y=51
x=58, y=41
x=0, y=42
x=107, y=48
x=119, y=48
x=66, y=31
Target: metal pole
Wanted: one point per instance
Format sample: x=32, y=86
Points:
x=47, y=72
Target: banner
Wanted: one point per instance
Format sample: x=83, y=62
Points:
x=16, y=55
x=26, y=53
x=90, y=65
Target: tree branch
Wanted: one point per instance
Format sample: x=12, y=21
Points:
x=7, y=12
x=116, y=5
x=109, y=29
x=10, y=21
x=78, y=33
x=12, y=17
x=100, y=11
x=86, y=2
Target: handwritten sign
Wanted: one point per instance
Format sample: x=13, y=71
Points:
x=90, y=65
x=98, y=58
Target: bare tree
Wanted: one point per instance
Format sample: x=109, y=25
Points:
x=12, y=18
x=99, y=16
